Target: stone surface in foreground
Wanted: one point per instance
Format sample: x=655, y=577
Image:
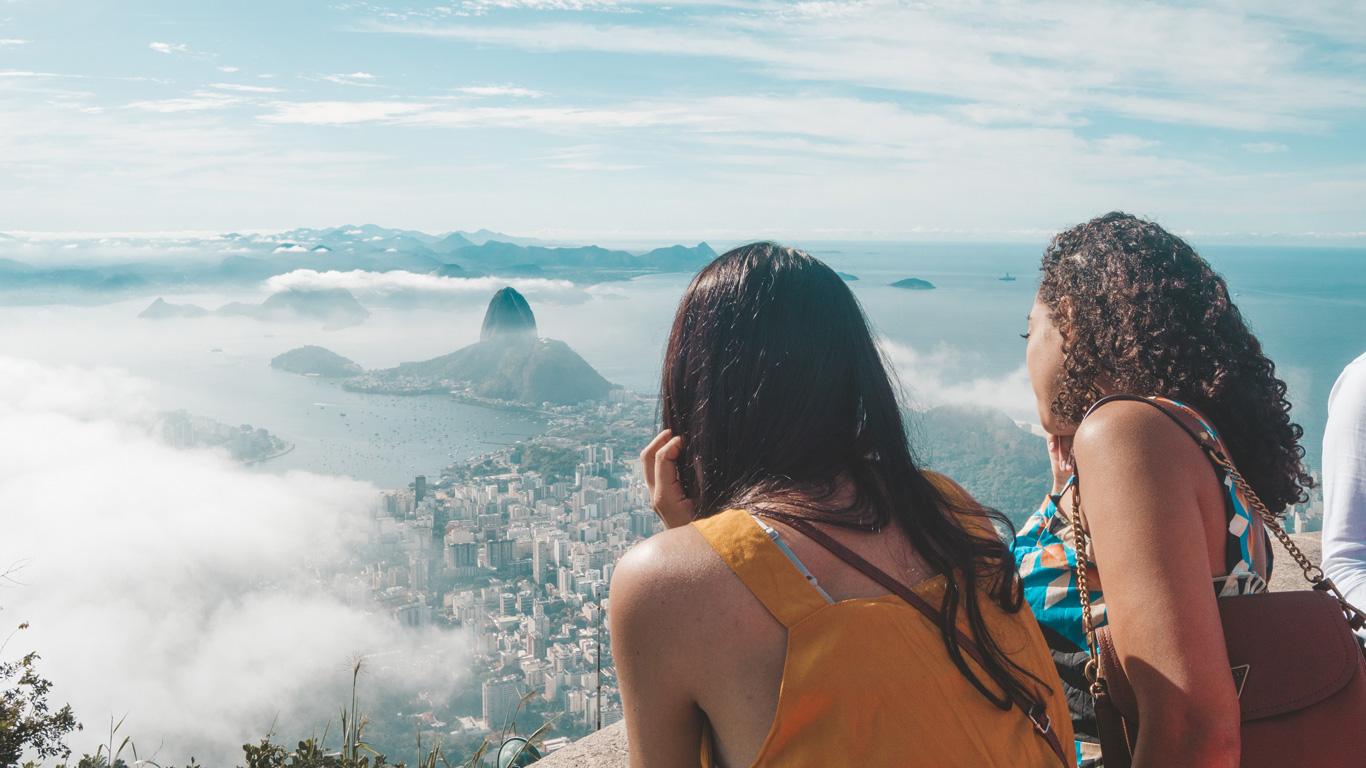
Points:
x=604, y=749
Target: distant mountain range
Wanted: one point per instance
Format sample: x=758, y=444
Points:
x=238, y=258
x=509, y=363
x=1000, y=463
x=334, y=306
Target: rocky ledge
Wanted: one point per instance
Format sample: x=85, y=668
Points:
x=604, y=749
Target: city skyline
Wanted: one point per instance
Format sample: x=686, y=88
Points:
x=631, y=120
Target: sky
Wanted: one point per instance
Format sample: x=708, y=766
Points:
x=617, y=120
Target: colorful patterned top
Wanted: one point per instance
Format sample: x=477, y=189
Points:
x=1047, y=562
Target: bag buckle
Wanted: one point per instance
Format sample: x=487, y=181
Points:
x=1038, y=715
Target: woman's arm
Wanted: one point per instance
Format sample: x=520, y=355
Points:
x=654, y=654
x=1344, y=485
x=1141, y=479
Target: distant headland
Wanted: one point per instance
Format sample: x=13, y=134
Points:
x=510, y=365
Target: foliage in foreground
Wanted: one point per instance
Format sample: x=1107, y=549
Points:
x=354, y=751
x=27, y=721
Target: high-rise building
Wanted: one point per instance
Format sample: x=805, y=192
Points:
x=500, y=553
x=644, y=524
x=540, y=558
x=419, y=488
x=500, y=701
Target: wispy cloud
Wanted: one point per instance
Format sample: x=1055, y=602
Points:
x=239, y=88
x=11, y=41
x=197, y=101
x=339, y=112
x=229, y=69
x=500, y=90
x=1264, y=147
x=17, y=73
x=587, y=159
x=169, y=48
x=363, y=79
x=994, y=54
x=437, y=114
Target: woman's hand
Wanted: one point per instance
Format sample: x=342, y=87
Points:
x=659, y=461
x=1060, y=457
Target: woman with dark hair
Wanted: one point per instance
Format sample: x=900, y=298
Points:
x=816, y=598
x=1136, y=355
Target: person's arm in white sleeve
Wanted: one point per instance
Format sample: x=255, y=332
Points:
x=1344, y=484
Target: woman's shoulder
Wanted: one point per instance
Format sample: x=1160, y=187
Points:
x=1122, y=424
x=670, y=580
x=669, y=558
x=1130, y=437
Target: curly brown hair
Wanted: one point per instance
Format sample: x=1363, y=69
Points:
x=1140, y=312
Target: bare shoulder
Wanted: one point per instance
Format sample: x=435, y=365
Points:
x=1128, y=429
x=666, y=581
x=1137, y=450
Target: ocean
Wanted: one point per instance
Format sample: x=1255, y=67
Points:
x=958, y=343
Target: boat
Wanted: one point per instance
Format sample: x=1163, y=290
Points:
x=1007, y=278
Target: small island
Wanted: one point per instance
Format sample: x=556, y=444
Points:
x=316, y=361
x=914, y=284
x=846, y=277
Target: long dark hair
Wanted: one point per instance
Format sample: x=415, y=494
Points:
x=1142, y=313
x=775, y=383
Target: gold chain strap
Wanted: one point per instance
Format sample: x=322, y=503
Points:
x=1092, y=669
x=1312, y=573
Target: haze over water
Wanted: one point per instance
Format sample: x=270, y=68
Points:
x=1308, y=306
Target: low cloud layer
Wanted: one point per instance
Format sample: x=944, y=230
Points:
x=928, y=380
x=177, y=587
x=361, y=282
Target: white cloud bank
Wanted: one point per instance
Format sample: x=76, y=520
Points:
x=173, y=586
x=928, y=382
x=398, y=281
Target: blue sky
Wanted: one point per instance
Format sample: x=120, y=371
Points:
x=615, y=120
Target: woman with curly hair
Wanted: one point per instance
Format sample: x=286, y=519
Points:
x=1126, y=308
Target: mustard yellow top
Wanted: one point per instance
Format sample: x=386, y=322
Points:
x=868, y=682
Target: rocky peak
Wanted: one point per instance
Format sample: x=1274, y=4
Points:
x=508, y=314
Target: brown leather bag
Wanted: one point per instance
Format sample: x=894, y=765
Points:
x=1300, y=674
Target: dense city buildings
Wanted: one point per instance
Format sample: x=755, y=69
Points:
x=513, y=551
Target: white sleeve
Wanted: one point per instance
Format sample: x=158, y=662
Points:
x=1344, y=484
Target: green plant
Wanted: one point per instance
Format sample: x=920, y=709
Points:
x=27, y=721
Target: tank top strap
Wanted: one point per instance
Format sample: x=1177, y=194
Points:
x=761, y=565
x=1190, y=418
